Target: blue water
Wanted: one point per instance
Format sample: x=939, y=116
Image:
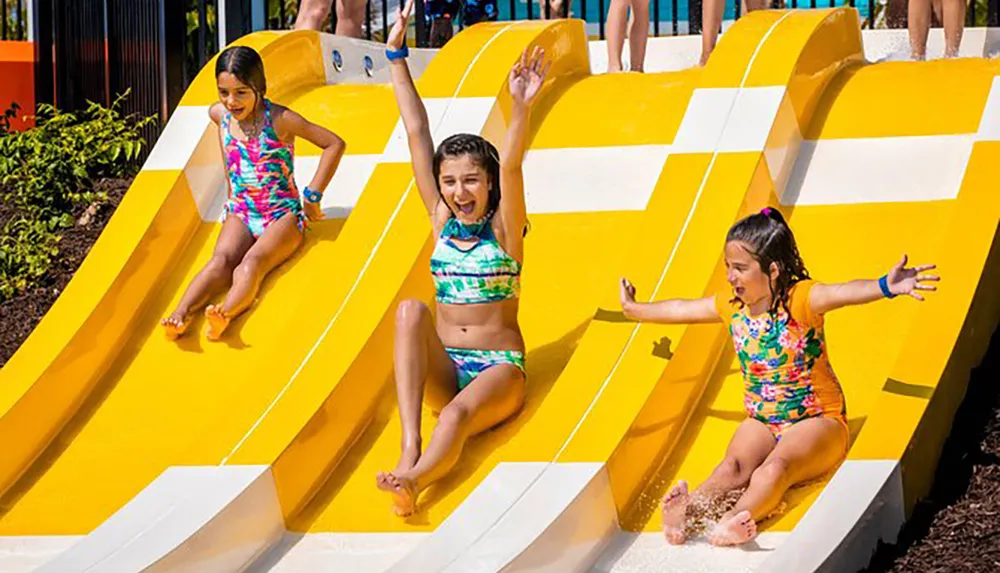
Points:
x=589, y=10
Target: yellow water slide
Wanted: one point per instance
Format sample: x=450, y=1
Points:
x=135, y=453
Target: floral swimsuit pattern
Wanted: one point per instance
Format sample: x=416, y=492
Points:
x=783, y=358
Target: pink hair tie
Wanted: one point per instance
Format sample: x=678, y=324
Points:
x=766, y=211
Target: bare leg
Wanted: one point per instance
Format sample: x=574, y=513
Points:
x=494, y=396
x=555, y=9
x=418, y=355
x=233, y=243
x=750, y=445
x=279, y=241
x=919, y=23
x=711, y=19
x=617, y=20
x=312, y=13
x=350, y=17
x=806, y=451
x=638, y=34
x=954, y=22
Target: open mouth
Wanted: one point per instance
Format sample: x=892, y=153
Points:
x=466, y=208
x=739, y=291
x=237, y=111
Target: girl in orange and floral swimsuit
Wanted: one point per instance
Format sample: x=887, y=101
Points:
x=796, y=426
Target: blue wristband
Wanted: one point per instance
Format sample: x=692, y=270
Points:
x=883, y=283
x=399, y=54
x=312, y=196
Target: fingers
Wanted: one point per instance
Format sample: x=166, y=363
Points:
x=924, y=287
x=923, y=268
x=902, y=262
x=408, y=9
x=917, y=296
x=928, y=278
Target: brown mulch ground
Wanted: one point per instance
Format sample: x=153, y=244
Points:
x=957, y=528
x=20, y=314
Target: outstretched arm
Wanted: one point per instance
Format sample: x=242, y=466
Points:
x=675, y=311
x=333, y=148
x=899, y=281
x=411, y=109
x=525, y=81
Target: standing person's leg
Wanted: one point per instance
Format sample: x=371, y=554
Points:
x=919, y=23
x=953, y=18
x=638, y=35
x=351, y=18
x=617, y=21
x=312, y=13
x=711, y=20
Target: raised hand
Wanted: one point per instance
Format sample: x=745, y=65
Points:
x=903, y=280
x=527, y=76
x=397, y=35
x=626, y=292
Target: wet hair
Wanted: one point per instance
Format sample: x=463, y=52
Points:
x=246, y=65
x=769, y=239
x=481, y=152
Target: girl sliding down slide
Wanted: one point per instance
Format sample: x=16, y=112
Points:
x=470, y=361
x=796, y=429
x=264, y=217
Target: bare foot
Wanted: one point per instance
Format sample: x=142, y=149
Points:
x=675, y=513
x=217, y=322
x=734, y=530
x=175, y=325
x=403, y=490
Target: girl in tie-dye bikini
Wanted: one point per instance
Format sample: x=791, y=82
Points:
x=264, y=217
x=796, y=426
x=467, y=359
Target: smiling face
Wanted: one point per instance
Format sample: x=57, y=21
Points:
x=239, y=98
x=465, y=186
x=743, y=272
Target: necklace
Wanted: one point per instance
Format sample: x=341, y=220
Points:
x=254, y=130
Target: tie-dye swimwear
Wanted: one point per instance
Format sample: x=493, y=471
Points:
x=482, y=273
x=261, y=177
x=478, y=274
x=470, y=363
x=787, y=373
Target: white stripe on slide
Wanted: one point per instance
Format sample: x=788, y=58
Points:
x=464, y=115
x=717, y=121
x=989, y=124
x=879, y=170
x=179, y=139
x=862, y=504
x=589, y=179
x=640, y=552
x=347, y=183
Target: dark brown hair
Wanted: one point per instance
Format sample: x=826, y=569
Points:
x=246, y=65
x=481, y=152
x=769, y=239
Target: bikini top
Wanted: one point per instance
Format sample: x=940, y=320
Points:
x=481, y=273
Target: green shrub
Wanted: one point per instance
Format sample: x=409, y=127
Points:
x=45, y=177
